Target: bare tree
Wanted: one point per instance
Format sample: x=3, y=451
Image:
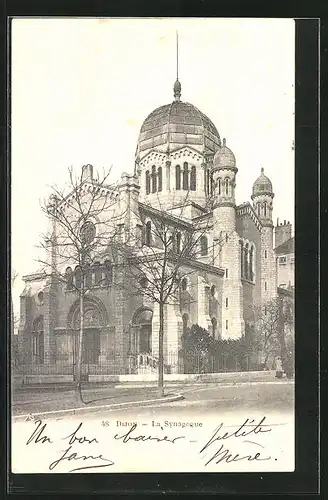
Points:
x=83, y=219
x=171, y=244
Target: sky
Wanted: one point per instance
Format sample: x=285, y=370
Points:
x=81, y=89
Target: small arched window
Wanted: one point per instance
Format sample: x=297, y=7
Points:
x=177, y=177
x=78, y=277
x=251, y=263
x=265, y=209
x=185, y=183
x=227, y=302
x=148, y=234
x=203, y=246
x=246, y=266
x=219, y=185
x=97, y=273
x=88, y=276
x=143, y=282
x=108, y=268
x=265, y=286
x=184, y=284
x=265, y=254
x=153, y=179
x=213, y=290
x=208, y=182
x=160, y=180
x=193, y=178
x=147, y=182
x=178, y=242
x=69, y=278
x=227, y=186
x=258, y=209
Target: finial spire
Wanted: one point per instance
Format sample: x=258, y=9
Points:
x=177, y=85
x=262, y=170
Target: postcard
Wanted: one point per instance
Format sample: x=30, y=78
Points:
x=152, y=245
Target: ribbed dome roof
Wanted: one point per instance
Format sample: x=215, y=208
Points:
x=224, y=157
x=175, y=125
x=262, y=185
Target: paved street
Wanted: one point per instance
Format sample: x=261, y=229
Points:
x=268, y=397
x=133, y=438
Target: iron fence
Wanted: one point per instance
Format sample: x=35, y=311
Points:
x=138, y=364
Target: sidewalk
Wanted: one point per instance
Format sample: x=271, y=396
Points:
x=45, y=400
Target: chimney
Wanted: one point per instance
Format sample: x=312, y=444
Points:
x=87, y=173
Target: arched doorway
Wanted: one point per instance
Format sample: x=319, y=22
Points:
x=95, y=318
x=141, y=338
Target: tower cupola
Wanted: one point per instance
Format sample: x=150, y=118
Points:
x=262, y=196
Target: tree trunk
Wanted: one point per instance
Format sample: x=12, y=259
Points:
x=161, y=351
x=78, y=374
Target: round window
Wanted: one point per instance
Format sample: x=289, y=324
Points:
x=40, y=297
x=88, y=232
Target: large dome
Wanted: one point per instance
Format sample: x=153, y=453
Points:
x=175, y=125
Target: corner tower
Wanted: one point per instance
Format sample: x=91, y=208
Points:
x=262, y=197
x=226, y=241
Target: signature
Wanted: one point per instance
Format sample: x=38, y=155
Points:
x=248, y=427
x=128, y=436
x=39, y=436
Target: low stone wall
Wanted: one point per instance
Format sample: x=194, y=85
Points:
x=230, y=377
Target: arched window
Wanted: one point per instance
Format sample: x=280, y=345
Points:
x=193, y=178
x=159, y=173
x=69, y=278
x=148, y=234
x=184, y=284
x=251, y=263
x=143, y=339
x=265, y=254
x=246, y=268
x=205, y=181
x=203, y=246
x=241, y=259
x=143, y=282
x=213, y=290
x=178, y=242
x=38, y=341
x=168, y=172
x=185, y=180
x=97, y=274
x=185, y=323
x=108, y=269
x=227, y=302
x=78, y=277
x=214, y=326
x=265, y=209
x=258, y=209
x=219, y=185
x=212, y=184
x=177, y=177
x=227, y=186
x=153, y=179
x=265, y=286
x=147, y=182
x=208, y=182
